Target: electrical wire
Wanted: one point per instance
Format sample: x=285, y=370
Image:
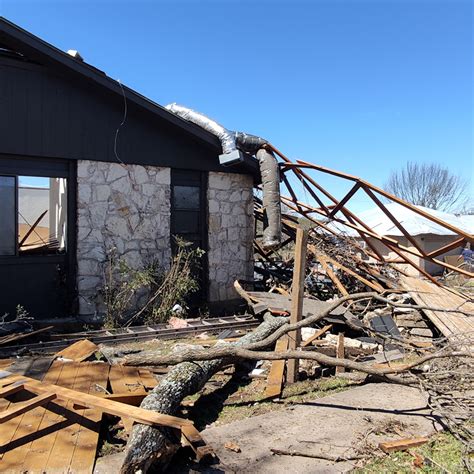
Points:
x=122, y=123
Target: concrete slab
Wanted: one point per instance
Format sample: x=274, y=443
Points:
x=335, y=425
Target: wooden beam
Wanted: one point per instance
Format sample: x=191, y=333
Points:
x=317, y=334
x=402, y=444
x=297, y=294
x=78, y=351
x=370, y=284
x=20, y=408
x=340, y=352
x=111, y=407
x=332, y=275
x=277, y=371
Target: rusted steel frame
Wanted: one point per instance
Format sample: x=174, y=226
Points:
x=348, y=214
x=414, y=265
x=455, y=244
x=351, y=216
x=320, y=224
x=290, y=189
x=446, y=225
x=299, y=174
x=393, y=243
x=402, y=229
x=345, y=199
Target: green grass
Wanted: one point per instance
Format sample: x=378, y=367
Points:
x=440, y=455
x=248, y=400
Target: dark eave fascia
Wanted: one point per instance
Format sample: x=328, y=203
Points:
x=31, y=46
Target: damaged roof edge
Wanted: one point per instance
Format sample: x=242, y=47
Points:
x=34, y=47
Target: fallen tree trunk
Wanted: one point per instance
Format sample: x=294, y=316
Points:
x=155, y=447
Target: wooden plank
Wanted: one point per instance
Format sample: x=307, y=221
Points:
x=18, y=432
x=65, y=435
x=5, y=363
x=374, y=286
x=402, y=444
x=111, y=407
x=78, y=351
x=16, y=337
x=340, y=352
x=49, y=423
x=124, y=379
x=297, y=294
x=277, y=370
x=10, y=390
x=316, y=335
x=451, y=324
x=87, y=435
x=17, y=409
x=332, y=275
x=149, y=381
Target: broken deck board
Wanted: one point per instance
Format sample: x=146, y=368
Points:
x=452, y=325
x=126, y=379
x=277, y=369
x=78, y=351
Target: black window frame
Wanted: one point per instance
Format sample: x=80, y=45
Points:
x=199, y=179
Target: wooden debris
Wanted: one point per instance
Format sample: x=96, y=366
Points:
x=402, y=444
x=316, y=335
x=78, y=351
x=231, y=446
x=297, y=294
x=20, y=408
x=277, y=370
x=327, y=457
x=340, y=352
x=17, y=336
x=91, y=401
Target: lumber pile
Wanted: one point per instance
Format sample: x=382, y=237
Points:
x=52, y=422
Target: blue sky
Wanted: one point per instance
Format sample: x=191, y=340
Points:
x=359, y=86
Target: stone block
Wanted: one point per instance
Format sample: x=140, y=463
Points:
x=115, y=172
x=140, y=175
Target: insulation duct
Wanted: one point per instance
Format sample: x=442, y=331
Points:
x=270, y=173
x=234, y=145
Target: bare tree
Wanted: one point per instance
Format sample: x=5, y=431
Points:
x=429, y=185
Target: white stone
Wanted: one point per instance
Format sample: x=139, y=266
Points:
x=115, y=172
x=140, y=175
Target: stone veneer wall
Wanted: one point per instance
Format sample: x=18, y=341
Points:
x=121, y=206
x=231, y=231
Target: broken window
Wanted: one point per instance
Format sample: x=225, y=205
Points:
x=33, y=215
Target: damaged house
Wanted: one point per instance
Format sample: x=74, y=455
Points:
x=87, y=165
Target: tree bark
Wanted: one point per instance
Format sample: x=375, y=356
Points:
x=149, y=446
